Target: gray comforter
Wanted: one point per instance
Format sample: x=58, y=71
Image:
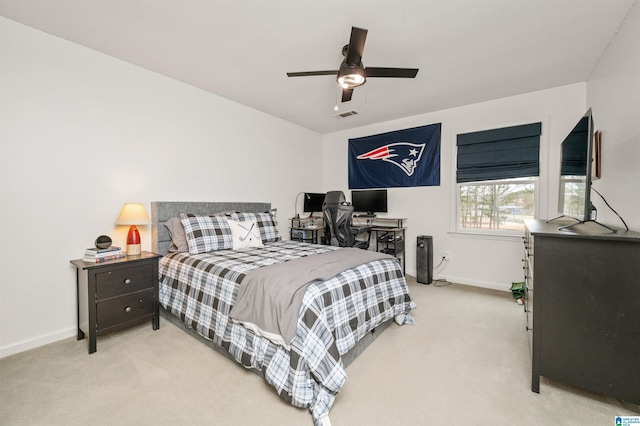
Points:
x=269, y=298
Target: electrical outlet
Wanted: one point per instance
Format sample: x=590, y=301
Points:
x=446, y=255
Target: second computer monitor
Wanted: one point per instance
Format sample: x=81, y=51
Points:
x=369, y=201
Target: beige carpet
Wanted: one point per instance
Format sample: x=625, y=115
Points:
x=465, y=362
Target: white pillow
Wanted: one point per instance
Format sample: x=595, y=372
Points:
x=245, y=234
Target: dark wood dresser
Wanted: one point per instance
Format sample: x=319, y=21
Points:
x=116, y=294
x=585, y=283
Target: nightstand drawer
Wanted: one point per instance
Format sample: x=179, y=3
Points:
x=124, y=309
x=123, y=281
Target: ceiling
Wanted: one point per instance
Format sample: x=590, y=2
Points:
x=467, y=51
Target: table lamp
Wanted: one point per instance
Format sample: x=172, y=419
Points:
x=133, y=214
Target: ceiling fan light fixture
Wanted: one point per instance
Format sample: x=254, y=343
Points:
x=350, y=76
x=352, y=72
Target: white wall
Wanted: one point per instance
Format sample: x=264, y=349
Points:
x=483, y=261
x=81, y=134
x=613, y=91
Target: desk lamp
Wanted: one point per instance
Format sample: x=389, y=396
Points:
x=297, y=216
x=133, y=214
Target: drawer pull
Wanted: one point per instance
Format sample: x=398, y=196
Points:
x=127, y=281
x=127, y=309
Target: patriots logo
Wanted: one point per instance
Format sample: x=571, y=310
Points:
x=403, y=154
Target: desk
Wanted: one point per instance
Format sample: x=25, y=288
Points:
x=391, y=241
x=304, y=234
x=306, y=229
x=389, y=233
x=379, y=222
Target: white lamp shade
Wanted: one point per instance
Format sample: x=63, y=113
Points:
x=133, y=214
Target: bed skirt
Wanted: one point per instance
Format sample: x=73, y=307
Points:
x=347, y=358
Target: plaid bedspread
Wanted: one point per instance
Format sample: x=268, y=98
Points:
x=335, y=314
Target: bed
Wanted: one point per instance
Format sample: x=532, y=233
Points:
x=337, y=318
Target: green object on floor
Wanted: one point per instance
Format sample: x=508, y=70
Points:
x=518, y=290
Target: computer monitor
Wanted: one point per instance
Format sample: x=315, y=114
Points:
x=369, y=201
x=313, y=202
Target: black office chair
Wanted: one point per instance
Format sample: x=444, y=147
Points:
x=337, y=213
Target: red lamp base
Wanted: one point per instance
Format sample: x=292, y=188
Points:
x=133, y=242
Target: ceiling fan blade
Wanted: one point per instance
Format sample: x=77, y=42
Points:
x=356, y=46
x=391, y=72
x=309, y=73
x=346, y=95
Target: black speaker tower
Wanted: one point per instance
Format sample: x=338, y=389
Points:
x=424, y=259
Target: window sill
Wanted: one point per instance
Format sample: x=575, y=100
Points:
x=488, y=235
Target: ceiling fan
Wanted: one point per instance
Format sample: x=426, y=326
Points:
x=352, y=73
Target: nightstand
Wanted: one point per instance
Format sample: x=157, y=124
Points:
x=116, y=294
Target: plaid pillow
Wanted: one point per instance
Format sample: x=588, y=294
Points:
x=206, y=233
x=267, y=224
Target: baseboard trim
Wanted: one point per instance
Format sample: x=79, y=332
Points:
x=474, y=283
x=38, y=341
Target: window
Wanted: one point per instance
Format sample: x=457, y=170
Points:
x=497, y=173
x=496, y=205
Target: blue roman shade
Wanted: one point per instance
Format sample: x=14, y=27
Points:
x=509, y=152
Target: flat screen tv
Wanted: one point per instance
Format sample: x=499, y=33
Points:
x=576, y=163
x=313, y=202
x=575, y=171
x=369, y=201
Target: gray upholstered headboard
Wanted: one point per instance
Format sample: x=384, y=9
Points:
x=161, y=211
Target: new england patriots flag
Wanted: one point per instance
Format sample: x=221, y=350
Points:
x=409, y=157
